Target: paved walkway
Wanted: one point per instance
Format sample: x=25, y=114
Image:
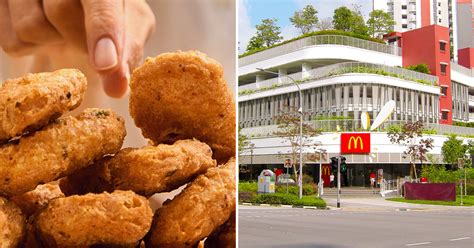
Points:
x=382, y=203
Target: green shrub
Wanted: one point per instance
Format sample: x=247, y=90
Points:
x=248, y=186
x=246, y=196
x=307, y=179
x=463, y=124
x=430, y=131
x=308, y=189
x=287, y=199
x=439, y=174
x=322, y=32
x=423, y=68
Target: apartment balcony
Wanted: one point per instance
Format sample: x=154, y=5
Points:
x=339, y=69
x=315, y=41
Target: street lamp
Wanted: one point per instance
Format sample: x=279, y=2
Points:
x=320, y=182
x=300, y=110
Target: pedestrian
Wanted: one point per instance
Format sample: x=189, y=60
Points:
x=372, y=181
x=331, y=180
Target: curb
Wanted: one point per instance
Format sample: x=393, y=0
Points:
x=284, y=206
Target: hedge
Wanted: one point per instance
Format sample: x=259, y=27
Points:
x=288, y=199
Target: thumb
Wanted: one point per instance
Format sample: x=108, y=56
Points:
x=104, y=25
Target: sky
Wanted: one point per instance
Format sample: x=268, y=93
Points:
x=251, y=12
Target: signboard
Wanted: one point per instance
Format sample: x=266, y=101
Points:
x=287, y=163
x=355, y=143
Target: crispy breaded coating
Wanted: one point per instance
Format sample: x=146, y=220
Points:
x=118, y=218
x=183, y=95
x=12, y=224
x=69, y=144
x=30, y=102
x=224, y=236
x=32, y=201
x=197, y=211
x=86, y=180
x=155, y=169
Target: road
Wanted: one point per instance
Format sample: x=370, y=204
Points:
x=293, y=227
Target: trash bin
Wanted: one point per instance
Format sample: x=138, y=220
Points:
x=266, y=182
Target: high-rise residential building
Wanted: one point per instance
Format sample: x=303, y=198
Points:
x=456, y=15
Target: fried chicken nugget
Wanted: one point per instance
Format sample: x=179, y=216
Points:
x=156, y=169
x=224, y=236
x=183, y=95
x=148, y=170
x=197, y=211
x=12, y=224
x=118, y=218
x=30, y=102
x=59, y=149
x=32, y=201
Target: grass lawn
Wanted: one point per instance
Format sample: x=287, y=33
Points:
x=467, y=200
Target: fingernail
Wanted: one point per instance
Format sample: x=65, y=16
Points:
x=105, y=54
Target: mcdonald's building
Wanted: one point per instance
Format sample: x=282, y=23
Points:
x=339, y=79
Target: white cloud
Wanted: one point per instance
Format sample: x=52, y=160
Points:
x=246, y=30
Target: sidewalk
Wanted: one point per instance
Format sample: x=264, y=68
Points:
x=383, y=204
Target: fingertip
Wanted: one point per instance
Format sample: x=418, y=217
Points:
x=115, y=86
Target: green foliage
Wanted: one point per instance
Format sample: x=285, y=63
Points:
x=248, y=186
x=429, y=131
x=467, y=200
x=322, y=32
x=349, y=20
x=306, y=19
x=394, y=128
x=380, y=23
x=453, y=149
x=246, y=92
x=326, y=118
x=247, y=196
x=287, y=199
x=244, y=143
x=307, y=179
x=463, y=124
x=268, y=33
x=423, y=68
x=439, y=174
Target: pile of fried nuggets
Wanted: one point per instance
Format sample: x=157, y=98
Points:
x=65, y=182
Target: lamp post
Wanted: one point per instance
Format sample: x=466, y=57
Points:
x=300, y=110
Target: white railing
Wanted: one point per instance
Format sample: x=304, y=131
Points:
x=339, y=69
x=319, y=40
x=390, y=186
x=462, y=69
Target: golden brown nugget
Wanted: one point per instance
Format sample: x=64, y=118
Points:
x=183, y=95
x=32, y=201
x=30, y=102
x=12, y=224
x=197, y=211
x=224, y=236
x=118, y=218
x=69, y=144
x=156, y=169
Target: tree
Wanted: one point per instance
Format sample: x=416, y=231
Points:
x=244, y=143
x=325, y=24
x=306, y=19
x=453, y=149
x=288, y=122
x=349, y=20
x=380, y=23
x=268, y=33
x=411, y=136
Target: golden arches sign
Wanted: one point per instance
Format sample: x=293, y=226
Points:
x=355, y=140
x=326, y=170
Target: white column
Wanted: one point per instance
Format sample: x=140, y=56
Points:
x=259, y=78
x=305, y=68
x=282, y=71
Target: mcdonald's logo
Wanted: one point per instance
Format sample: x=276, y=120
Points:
x=355, y=143
x=326, y=170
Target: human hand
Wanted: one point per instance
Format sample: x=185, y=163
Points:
x=112, y=32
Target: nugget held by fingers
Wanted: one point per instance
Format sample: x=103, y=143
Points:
x=30, y=102
x=183, y=95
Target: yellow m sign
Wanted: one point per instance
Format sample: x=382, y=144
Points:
x=355, y=140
